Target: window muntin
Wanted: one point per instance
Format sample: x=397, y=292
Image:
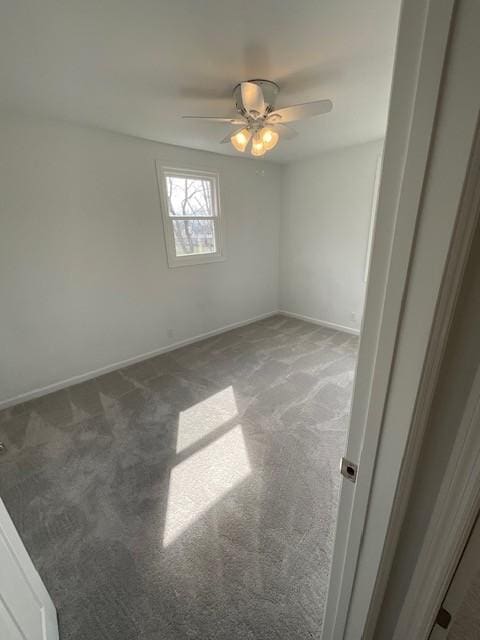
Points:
x=191, y=216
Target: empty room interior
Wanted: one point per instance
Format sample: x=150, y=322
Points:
x=188, y=194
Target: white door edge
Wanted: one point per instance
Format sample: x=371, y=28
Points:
x=421, y=49
x=14, y=547
x=444, y=230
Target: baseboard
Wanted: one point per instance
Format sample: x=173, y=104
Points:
x=323, y=323
x=56, y=386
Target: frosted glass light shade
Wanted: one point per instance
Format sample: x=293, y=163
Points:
x=269, y=138
x=258, y=148
x=241, y=139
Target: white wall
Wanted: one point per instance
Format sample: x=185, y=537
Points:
x=84, y=281
x=327, y=205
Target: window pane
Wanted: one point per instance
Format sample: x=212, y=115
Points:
x=194, y=237
x=189, y=196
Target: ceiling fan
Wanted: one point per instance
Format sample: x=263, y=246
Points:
x=258, y=120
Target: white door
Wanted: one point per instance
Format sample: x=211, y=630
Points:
x=26, y=610
x=459, y=617
x=432, y=125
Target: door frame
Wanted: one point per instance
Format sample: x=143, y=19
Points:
x=453, y=517
x=459, y=493
x=360, y=566
x=465, y=575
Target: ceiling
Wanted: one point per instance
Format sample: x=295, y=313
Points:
x=136, y=66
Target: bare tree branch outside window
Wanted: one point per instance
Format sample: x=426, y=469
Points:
x=191, y=199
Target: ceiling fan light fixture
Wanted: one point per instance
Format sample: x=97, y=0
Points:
x=260, y=124
x=269, y=138
x=241, y=139
x=258, y=148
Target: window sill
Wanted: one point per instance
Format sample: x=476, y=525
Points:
x=190, y=261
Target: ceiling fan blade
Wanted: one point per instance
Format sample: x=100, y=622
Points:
x=284, y=130
x=252, y=98
x=300, y=111
x=234, y=120
x=230, y=135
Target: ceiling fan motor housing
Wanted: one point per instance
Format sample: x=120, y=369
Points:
x=270, y=91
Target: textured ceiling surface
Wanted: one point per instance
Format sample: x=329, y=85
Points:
x=136, y=67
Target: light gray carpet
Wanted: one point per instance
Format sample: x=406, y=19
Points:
x=192, y=495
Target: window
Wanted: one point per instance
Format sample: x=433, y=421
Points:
x=191, y=216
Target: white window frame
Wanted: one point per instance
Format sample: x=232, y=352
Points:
x=194, y=259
